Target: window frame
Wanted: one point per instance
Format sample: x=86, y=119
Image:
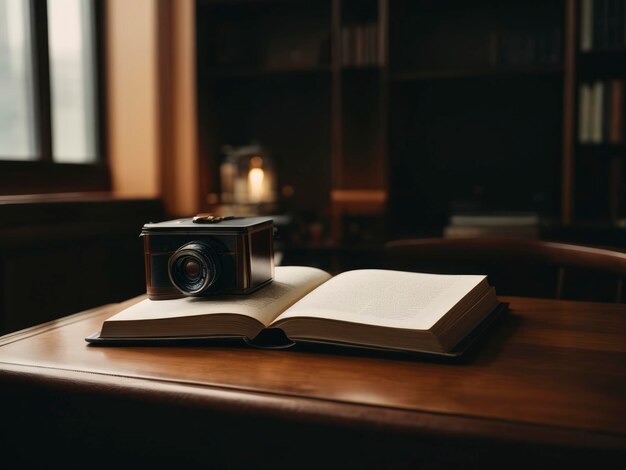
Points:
x=43, y=175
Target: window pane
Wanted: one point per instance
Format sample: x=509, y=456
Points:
x=17, y=129
x=72, y=80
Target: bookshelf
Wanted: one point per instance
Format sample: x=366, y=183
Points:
x=475, y=110
x=306, y=80
x=599, y=146
x=385, y=117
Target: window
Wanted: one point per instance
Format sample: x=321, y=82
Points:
x=50, y=95
x=17, y=125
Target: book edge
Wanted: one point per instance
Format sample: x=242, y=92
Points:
x=460, y=350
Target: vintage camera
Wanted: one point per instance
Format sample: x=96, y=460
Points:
x=207, y=255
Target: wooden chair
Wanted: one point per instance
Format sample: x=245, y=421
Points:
x=518, y=266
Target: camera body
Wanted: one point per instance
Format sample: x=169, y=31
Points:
x=203, y=256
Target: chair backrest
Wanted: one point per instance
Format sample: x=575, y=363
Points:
x=519, y=266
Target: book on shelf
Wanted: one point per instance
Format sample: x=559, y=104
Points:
x=365, y=308
x=539, y=46
x=584, y=112
x=601, y=112
x=596, y=114
x=472, y=231
x=361, y=45
x=602, y=25
x=498, y=219
x=617, y=105
x=586, y=25
x=523, y=224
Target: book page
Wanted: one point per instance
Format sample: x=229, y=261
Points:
x=290, y=283
x=385, y=298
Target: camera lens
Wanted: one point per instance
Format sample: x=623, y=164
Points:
x=193, y=268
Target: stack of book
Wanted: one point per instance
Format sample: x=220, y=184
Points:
x=526, y=225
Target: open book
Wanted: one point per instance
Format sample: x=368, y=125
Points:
x=374, y=308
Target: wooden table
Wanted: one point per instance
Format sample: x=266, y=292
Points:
x=547, y=384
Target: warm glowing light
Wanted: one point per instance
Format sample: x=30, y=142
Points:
x=255, y=184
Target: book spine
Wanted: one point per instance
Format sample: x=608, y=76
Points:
x=597, y=16
x=586, y=25
x=623, y=111
x=366, y=44
x=623, y=22
x=590, y=112
x=583, y=113
x=611, y=26
x=606, y=24
x=344, y=46
x=619, y=23
x=381, y=45
x=606, y=110
x=617, y=18
x=359, y=45
x=617, y=100
x=556, y=46
x=597, y=112
x=370, y=44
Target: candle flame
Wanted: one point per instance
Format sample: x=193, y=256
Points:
x=255, y=184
